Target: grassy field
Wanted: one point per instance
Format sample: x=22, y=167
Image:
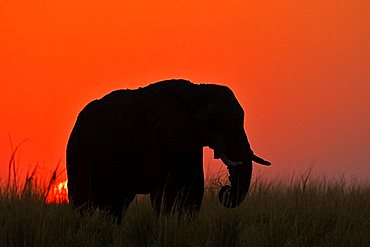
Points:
x=303, y=212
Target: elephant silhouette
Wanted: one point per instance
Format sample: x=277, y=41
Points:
x=150, y=141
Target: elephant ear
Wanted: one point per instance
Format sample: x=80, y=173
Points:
x=201, y=102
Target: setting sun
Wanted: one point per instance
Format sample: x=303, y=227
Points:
x=59, y=193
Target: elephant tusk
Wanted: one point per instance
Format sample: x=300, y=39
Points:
x=228, y=162
x=260, y=161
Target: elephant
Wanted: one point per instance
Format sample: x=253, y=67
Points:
x=150, y=141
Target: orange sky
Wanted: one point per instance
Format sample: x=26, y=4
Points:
x=299, y=68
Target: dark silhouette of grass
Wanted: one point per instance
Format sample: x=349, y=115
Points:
x=304, y=211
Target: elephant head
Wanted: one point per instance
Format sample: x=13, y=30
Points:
x=223, y=118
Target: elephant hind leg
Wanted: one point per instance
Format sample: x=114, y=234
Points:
x=119, y=210
x=79, y=190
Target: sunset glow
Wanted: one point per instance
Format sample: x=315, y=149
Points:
x=59, y=193
x=300, y=69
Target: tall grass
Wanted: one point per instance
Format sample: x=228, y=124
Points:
x=302, y=212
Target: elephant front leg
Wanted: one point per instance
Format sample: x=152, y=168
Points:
x=181, y=193
x=115, y=204
x=110, y=195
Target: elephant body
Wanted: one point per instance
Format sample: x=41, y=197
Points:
x=148, y=141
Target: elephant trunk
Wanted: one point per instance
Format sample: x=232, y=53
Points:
x=240, y=179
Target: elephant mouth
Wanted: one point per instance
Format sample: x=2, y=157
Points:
x=260, y=161
x=230, y=163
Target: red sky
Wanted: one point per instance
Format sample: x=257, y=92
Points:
x=299, y=68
